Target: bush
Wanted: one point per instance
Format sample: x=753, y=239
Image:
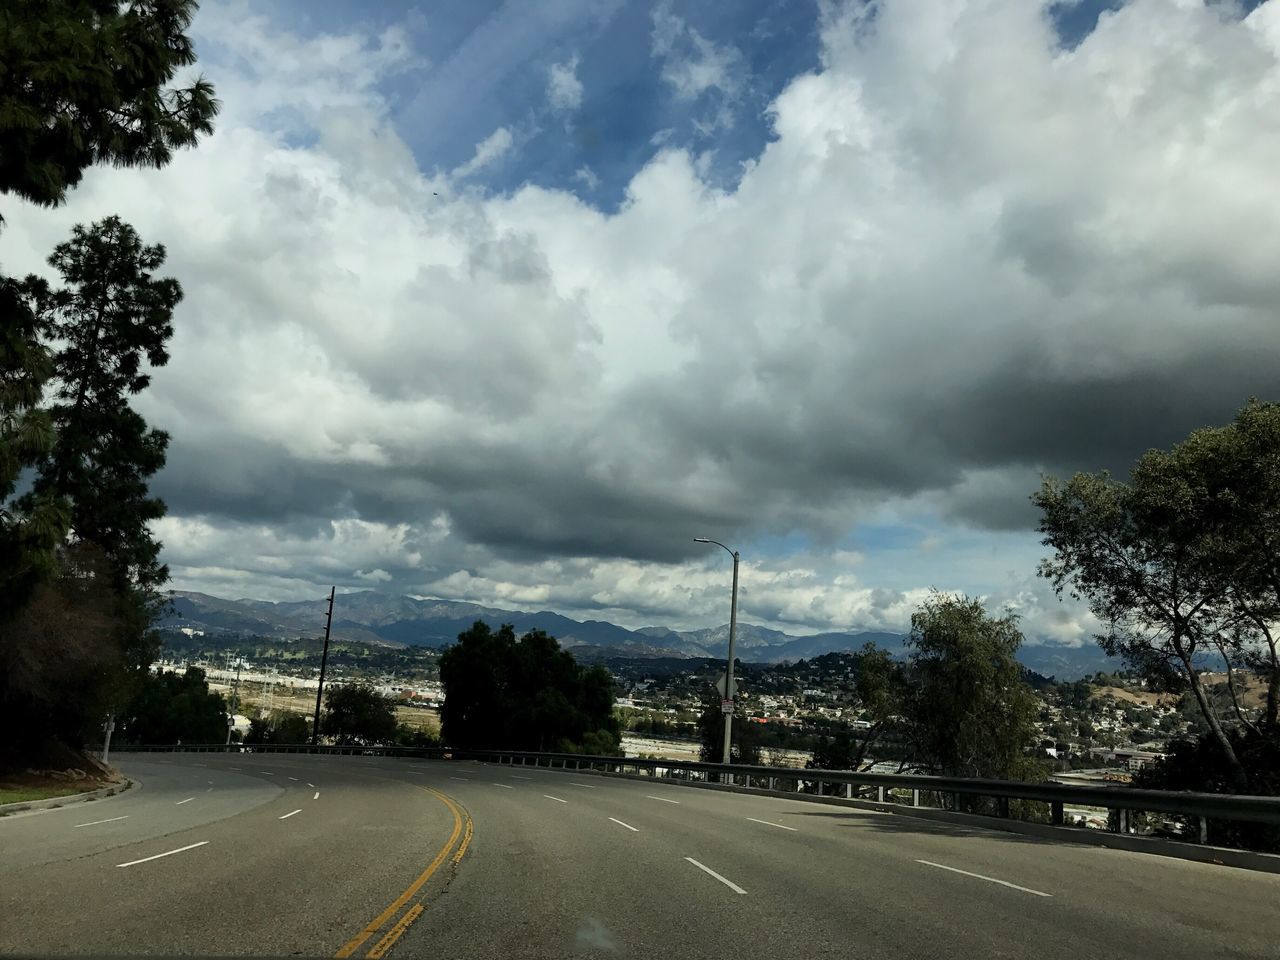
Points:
x=1201, y=765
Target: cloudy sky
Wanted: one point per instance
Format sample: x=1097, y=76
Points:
x=507, y=302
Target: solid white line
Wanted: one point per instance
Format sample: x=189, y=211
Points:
x=289, y=814
x=516, y=776
x=168, y=853
x=266, y=773
x=589, y=786
x=728, y=883
x=504, y=786
x=621, y=824
x=663, y=799
x=317, y=796
x=181, y=802
x=463, y=779
x=96, y=822
x=1003, y=883
x=557, y=799
x=780, y=826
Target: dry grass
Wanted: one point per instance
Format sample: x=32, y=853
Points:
x=253, y=696
x=419, y=718
x=1142, y=698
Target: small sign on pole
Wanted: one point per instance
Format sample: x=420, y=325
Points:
x=723, y=689
x=726, y=707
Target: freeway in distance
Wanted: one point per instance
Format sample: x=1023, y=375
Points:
x=272, y=854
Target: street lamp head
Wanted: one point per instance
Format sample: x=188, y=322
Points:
x=701, y=540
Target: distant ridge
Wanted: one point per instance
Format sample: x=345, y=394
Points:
x=394, y=620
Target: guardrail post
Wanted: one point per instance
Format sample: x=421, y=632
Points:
x=880, y=794
x=1055, y=813
x=1122, y=821
x=1204, y=829
x=915, y=797
x=771, y=782
x=848, y=791
x=819, y=788
x=1002, y=806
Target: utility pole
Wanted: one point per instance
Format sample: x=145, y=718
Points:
x=324, y=660
x=733, y=631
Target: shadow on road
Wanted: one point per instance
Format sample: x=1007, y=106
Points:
x=893, y=823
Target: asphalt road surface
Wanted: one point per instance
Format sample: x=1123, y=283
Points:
x=281, y=855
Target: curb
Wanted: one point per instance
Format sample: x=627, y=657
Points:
x=52, y=802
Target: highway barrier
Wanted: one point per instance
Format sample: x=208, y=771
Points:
x=1043, y=802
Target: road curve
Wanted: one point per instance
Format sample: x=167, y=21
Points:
x=351, y=856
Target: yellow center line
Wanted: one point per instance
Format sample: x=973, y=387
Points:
x=352, y=945
x=466, y=840
x=392, y=935
x=412, y=914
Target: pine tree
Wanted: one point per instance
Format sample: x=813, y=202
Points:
x=84, y=82
x=110, y=316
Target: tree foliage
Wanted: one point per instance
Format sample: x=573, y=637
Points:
x=278, y=726
x=110, y=317
x=745, y=744
x=29, y=539
x=169, y=707
x=1183, y=562
x=85, y=82
x=53, y=661
x=525, y=694
x=967, y=707
x=357, y=713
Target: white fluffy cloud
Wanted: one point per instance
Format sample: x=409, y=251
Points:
x=968, y=256
x=488, y=151
x=691, y=64
x=564, y=89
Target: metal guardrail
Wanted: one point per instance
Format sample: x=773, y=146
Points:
x=1200, y=807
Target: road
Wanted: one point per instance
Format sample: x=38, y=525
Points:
x=282, y=855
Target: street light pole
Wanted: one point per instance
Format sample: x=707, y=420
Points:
x=733, y=633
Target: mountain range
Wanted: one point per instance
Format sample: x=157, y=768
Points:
x=400, y=620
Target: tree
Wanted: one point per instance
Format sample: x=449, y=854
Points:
x=174, y=708
x=880, y=685
x=109, y=318
x=839, y=752
x=1181, y=562
x=1239, y=467
x=526, y=694
x=357, y=713
x=969, y=710
x=85, y=82
x=279, y=726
